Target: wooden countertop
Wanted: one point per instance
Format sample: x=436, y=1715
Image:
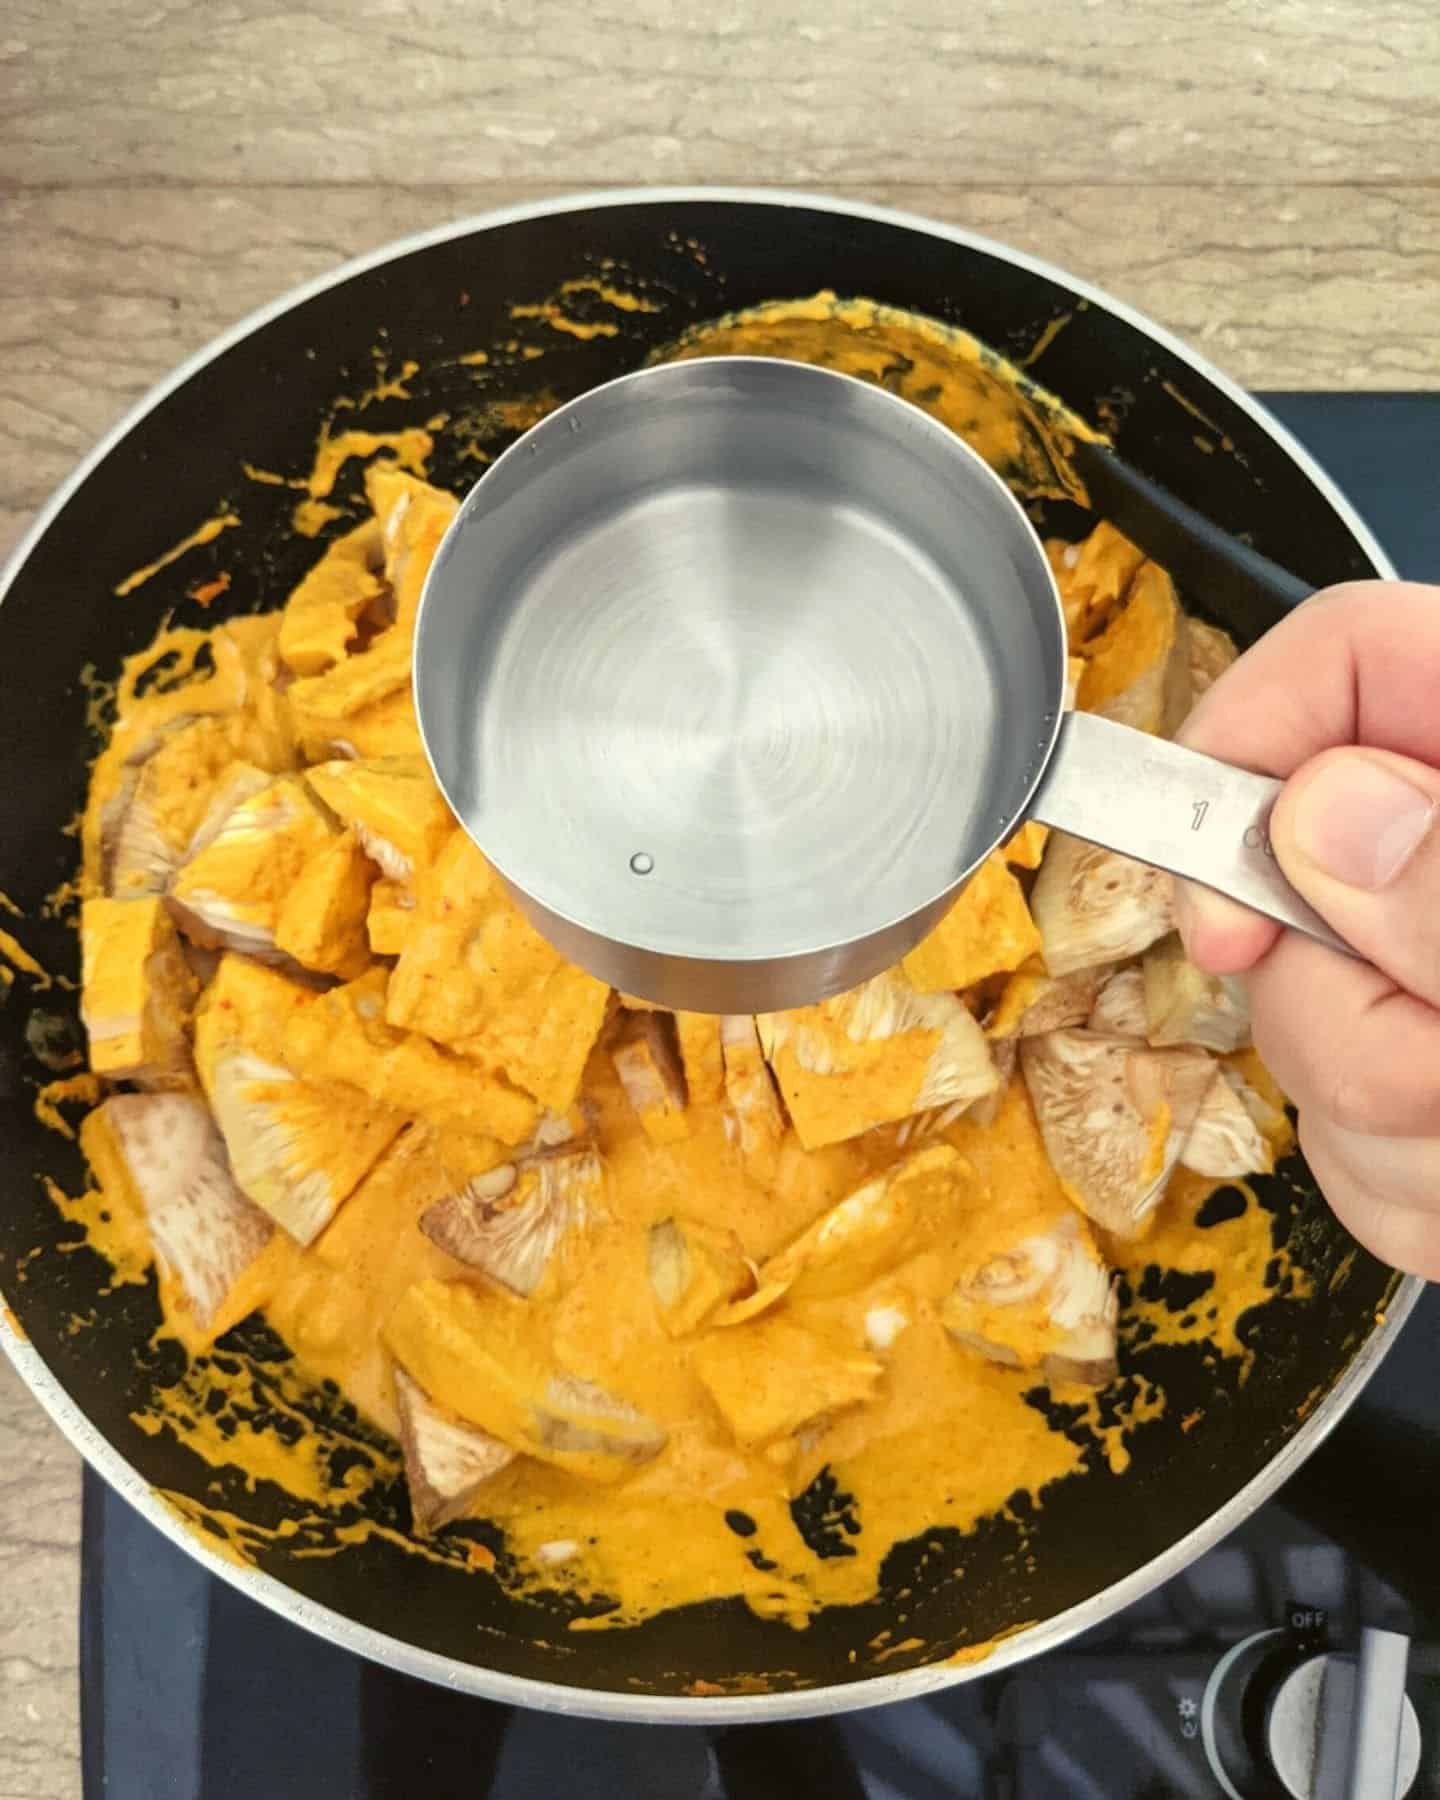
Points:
x=1266, y=181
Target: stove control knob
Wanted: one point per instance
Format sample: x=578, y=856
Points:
x=1325, y=1726
x=1343, y=1725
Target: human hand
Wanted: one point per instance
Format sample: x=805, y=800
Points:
x=1343, y=701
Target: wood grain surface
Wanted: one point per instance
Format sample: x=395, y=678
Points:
x=1261, y=175
x=39, y=1593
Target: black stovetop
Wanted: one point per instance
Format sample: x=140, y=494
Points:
x=192, y=1692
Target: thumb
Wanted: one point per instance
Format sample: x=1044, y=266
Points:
x=1358, y=833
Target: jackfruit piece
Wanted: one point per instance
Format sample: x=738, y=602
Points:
x=165, y=1153
x=1183, y=1005
x=753, y=1117
x=238, y=784
x=454, y=1158
x=475, y=975
x=1027, y=846
x=1114, y=1117
x=1045, y=1299
x=297, y=1148
x=1137, y=672
x=1093, y=576
x=888, y=1219
x=245, y=717
x=1262, y=1098
x=1209, y=652
x=510, y=1220
x=251, y=646
x=343, y=1036
x=1119, y=1009
x=557, y=1131
x=987, y=931
x=1033, y=1002
x=413, y=518
x=1094, y=906
x=378, y=1222
x=647, y=1060
x=1005, y=1054
x=136, y=992
x=392, y=910
x=321, y=618
x=701, y=1056
x=247, y=1003
x=771, y=1377
x=229, y=892
x=695, y=1268
x=393, y=806
x=321, y=923
x=125, y=853
x=447, y=1461
x=165, y=794
x=1229, y=1139
x=386, y=728
x=362, y=680
x=336, y=1295
x=874, y=1055
x=485, y=1355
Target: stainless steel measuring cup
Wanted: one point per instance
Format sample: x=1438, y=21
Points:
x=736, y=669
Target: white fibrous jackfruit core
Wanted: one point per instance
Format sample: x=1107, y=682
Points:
x=510, y=1220
x=1114, y=1117
x=1094, y=906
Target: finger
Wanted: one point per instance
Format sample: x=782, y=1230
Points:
x=1342, y=1040
x=1384, y=1191
x=1221, y=936
x=1356, y=832
x=1355, y=665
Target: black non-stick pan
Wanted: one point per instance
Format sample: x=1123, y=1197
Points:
x=259, y=396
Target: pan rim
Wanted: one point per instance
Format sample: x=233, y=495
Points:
x=600, y=1703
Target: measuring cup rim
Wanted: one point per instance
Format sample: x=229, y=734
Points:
x=946, y=442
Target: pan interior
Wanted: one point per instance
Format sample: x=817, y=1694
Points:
x=738, y=661
x=99, y=1351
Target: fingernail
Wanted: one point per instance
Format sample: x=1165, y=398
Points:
x=1360, y=822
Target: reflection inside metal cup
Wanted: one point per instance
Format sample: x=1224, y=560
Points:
x=782, y=628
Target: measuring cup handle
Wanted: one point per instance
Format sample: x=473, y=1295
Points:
x=1174, y=809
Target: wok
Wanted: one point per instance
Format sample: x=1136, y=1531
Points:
x=258, y=394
